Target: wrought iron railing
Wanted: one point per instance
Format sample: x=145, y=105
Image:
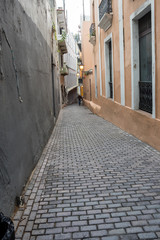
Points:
x=92, y=30
x=111, y=89
x=105, y=7
x=145, y=96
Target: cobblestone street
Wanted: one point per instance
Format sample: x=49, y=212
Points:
x=93, y=181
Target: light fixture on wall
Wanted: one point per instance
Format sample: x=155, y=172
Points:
x=81, y=67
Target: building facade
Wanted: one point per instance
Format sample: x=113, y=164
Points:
x=87, y=61
x=62, y=49
x=29, y=91
x=70, y=60
x=124, y=36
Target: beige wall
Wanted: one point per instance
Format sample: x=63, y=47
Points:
x=138, y=123
x=87, y=59
x=128, y=9
x=116, y=71
x=87, y=48
x=95, y=57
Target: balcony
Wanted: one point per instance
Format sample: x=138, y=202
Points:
x=105, y=14
x=64, y=70
x=92, y=30
x=61, y=18
x=62, y=42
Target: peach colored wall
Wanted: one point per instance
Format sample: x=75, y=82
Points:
x=87, y=88
x=114, y=29
x=138, y=123
x=96, y=58
x=128, y=8
x=87, y=57
x=87, y=48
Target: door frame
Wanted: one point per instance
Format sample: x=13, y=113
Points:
x=135, y=68
x=107, y=68
x=95, y=77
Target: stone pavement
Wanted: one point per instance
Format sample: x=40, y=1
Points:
x=93, y=181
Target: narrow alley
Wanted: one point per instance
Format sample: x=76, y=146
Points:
x=93, y=181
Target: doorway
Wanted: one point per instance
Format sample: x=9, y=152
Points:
x=109, y=67
x=142, y=23
x=145, y=60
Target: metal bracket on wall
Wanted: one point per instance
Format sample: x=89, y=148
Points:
x=14, y=65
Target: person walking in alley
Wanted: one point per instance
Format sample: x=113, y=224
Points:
x=80, y=99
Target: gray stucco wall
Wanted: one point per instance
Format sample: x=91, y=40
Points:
x=25, y=45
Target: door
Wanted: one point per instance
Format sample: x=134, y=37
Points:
x=145, y=55
x=110, y=68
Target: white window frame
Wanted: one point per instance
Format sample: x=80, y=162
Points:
x=107, y=70
x=135, y=70
x=121, y=47
x=95, y=76
x=99, y=49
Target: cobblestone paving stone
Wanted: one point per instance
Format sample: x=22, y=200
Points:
x=93, y=181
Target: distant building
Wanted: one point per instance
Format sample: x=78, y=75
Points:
x=62, y=49
x=70, y=60
x=68, y=48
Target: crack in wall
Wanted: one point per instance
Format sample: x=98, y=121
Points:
x=13, y=63
x=1, y=69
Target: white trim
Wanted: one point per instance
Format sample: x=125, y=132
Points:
x=99, y=41
x=106, y=59
x=153, y=62
x=135, y=64
x=140, y=12
x=121, y=46
x=95, y=78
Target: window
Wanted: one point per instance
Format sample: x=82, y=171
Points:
x=96, y=92
x=109, y=67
